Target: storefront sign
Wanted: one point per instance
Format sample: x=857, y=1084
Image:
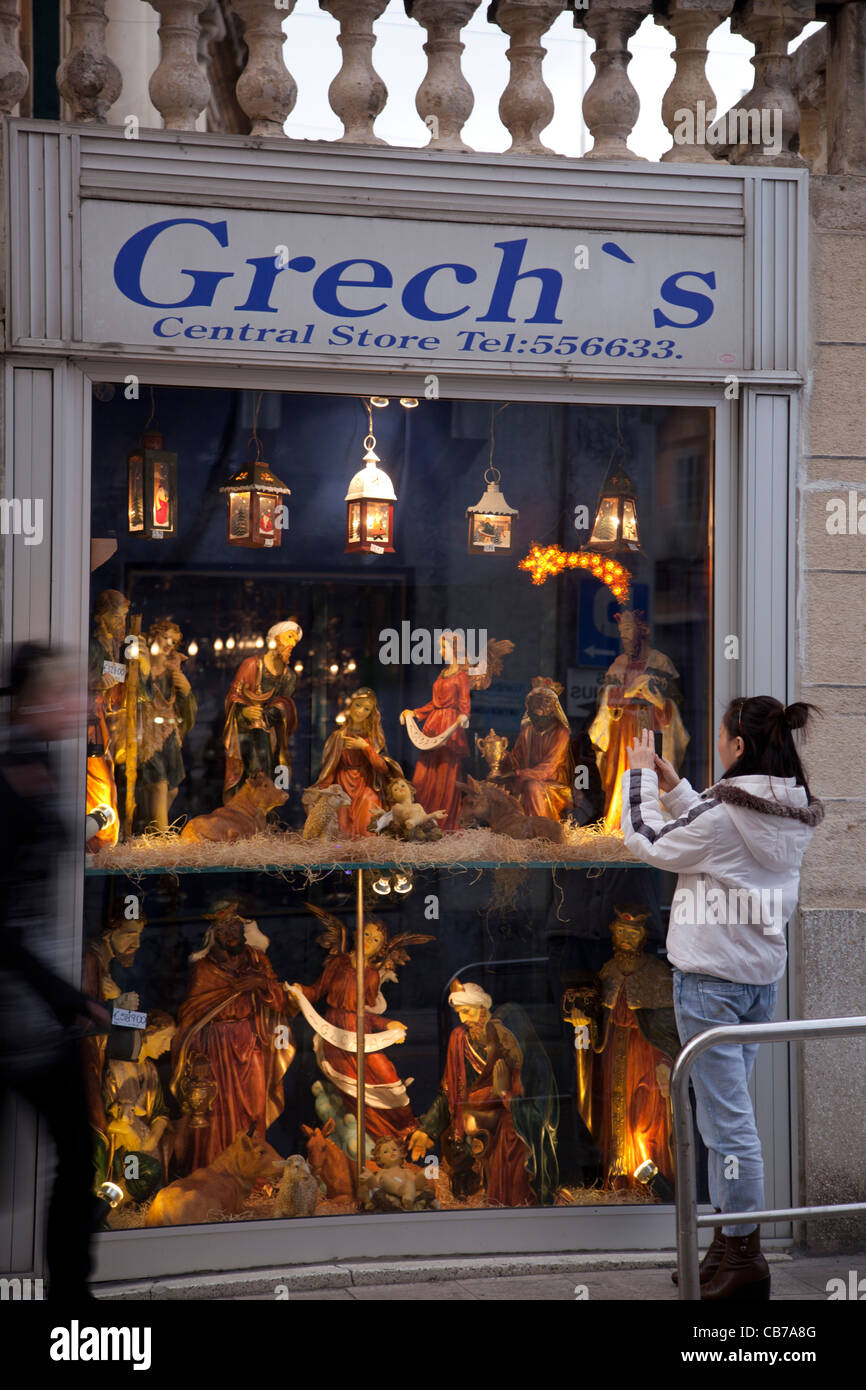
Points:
x=233, y=283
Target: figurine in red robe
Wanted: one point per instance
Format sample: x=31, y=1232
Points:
x=233, y=1012
x=540, y=766
x=260, y=712
x=388, y=1111
x=442, y=737
x=356, y=758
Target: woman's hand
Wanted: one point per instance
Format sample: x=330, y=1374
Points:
x=642, y=753
x=668, y=775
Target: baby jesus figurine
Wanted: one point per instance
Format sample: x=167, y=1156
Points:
x=406, y=818
x=396, y=1185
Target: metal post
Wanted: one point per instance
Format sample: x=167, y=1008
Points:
x=360, y=1067
x=686, y=1202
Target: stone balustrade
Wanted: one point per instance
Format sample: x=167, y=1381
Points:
x=825, y=105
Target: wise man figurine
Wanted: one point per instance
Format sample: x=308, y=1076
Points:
x=540, y=766
x=260, y=712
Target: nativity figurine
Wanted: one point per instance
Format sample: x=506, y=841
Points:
x=395, y=1185
x=260, y=712
x=441, y=738
x=405, y=818
x=166, y=719
x=356, y=759
x=539, y=770
x=639, y=692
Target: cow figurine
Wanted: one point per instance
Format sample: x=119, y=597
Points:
x=328, y=1163
x=242, y=817
x=218, y=1190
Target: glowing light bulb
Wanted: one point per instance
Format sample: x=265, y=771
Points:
x=192, y=648
x=299, y=666
x=230, y=644
x=218, y=645
x=351, y=666
x=260, y=642
x=334, y=669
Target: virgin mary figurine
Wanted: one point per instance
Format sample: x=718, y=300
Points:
x=441, y=739
x=355, y=757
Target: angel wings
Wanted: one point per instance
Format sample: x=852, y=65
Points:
x=392, y=953
x=496, y=650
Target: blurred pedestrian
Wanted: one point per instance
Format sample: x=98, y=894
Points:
x=43, y=1016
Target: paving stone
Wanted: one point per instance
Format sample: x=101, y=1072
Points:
x=441, y=1290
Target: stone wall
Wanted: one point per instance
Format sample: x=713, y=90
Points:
x=831, y=672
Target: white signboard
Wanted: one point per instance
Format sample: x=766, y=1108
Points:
x=234, y=283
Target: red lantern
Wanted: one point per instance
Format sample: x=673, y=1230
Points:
x=152, y=489
x=256, y=516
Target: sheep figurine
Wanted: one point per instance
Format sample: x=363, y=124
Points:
x=298, y=1191
x=322, y=805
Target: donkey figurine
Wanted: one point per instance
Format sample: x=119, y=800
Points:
x=486, y=804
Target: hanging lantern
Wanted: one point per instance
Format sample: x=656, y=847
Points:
x=152, y=489
x=370, y=505
x=615, y=528
x=255, y=501
x=491, y=520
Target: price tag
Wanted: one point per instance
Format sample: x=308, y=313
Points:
x=377, y=550
x=269, y=541
x=116, y=669
x=128, y=1018
x=156, y=535
x=489, y=548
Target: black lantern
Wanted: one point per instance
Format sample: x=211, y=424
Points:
x=615, y=528
x=255, y=503
x=152, y=489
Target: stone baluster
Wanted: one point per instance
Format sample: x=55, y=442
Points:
x=444, y=100
x=14, y=78
x=526, y=105
x=771, y=25
x=689, y=104
x=357, y=94
x=179, y=88
x=611, y=105
x=87, y=79
x=266, y=90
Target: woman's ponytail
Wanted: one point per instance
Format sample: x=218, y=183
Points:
x=766, y=727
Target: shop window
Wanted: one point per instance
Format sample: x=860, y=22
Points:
x=274, y=728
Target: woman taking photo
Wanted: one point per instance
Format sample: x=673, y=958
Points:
x=737, y=849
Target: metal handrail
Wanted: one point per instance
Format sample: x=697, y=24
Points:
x=688, y=1220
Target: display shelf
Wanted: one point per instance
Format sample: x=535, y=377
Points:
x=346, y=866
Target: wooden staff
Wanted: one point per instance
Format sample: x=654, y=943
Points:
x=360, y=1036
x=132, y=728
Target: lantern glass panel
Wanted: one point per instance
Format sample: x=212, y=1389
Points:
x=268, y=503
x=136, y=492
x=162, y=506
x=376, y=527
x=606, y=527
x=629, y=522
x=488, y=531
x=354, y=536
x=239, y=515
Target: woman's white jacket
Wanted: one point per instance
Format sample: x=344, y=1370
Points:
x=737, y=849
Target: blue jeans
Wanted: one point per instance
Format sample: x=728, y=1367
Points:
x=720, y=1078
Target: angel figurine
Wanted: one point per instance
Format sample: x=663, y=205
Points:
x=389, y=1112
x=442, y=737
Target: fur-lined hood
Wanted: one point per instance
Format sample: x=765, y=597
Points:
x=773, y=815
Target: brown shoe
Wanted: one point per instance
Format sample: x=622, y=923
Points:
x=743, y=1275
x=711, y=1261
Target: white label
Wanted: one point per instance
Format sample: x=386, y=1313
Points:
x=377, y=550
x=128, y=1018
x=269, y=541
x=156, y=535
x=489, y=549
x=115, y=669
